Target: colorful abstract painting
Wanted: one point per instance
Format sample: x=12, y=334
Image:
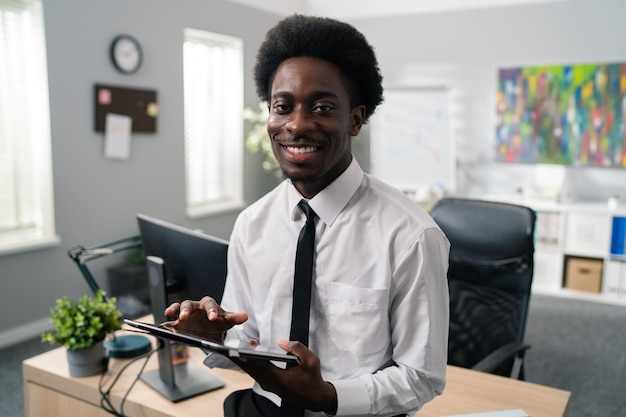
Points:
x=571, y=114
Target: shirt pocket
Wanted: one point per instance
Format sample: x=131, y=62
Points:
x=358, y=318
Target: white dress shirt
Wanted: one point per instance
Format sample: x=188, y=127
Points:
x=379, y=302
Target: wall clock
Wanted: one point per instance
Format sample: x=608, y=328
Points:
x=126, y=54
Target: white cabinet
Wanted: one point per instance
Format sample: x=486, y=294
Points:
x=548, y=271
x=565, y=232
x=588, y=234
x=614, y=282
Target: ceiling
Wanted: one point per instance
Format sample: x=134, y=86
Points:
x=350, y=9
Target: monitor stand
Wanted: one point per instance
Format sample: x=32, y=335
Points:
x=180, y=381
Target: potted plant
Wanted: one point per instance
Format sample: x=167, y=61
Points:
x=81, y=326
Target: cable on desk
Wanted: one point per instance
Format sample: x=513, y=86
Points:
x=105, y=400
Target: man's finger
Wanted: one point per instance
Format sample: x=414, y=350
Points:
x=172, y=310
x=186, y=307
x=292, y=346
x=237, y=318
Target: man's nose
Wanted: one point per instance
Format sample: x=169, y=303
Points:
x=300, y=121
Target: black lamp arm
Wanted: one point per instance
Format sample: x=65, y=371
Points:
x=81, y=255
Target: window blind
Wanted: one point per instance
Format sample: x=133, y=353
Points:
x=213, y=100
x=26, y=204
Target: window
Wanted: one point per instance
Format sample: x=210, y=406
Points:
x=26, y=202
x=213, y=90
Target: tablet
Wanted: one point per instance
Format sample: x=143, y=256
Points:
x=217, y=347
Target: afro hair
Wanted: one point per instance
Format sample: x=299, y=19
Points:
x=327, y=39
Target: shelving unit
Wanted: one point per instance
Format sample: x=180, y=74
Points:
x=573, y=250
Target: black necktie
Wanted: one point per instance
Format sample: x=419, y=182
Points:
x=302, y=280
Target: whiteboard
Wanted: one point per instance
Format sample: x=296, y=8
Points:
x=411, y=140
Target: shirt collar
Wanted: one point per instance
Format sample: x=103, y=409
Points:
x=329, y=202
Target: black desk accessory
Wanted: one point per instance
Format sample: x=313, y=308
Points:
x=121, y=346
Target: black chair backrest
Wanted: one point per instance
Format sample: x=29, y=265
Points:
x=490, y=274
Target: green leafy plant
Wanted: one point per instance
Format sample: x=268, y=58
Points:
x=258, y=140
x=81, y=324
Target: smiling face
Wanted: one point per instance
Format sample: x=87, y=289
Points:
x=311, y=122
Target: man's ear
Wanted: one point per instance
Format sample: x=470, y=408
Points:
x=357, y=116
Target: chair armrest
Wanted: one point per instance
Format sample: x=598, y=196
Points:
x=499, y=356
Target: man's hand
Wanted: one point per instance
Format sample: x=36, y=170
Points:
x=204, y=318
x=301, y=385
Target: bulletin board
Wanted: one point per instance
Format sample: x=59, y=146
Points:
x=411, y=139
x=140, y=105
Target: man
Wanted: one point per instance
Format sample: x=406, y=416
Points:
x=378, y=321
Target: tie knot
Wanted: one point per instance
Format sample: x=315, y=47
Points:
x=308, y=211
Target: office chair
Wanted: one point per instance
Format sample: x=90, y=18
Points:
x=489, y=276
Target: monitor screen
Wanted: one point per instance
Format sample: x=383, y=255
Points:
x=194, y=262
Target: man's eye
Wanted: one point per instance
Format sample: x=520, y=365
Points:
x=281, y=108
x=322, y=108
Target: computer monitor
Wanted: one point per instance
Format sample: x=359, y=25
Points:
x=196, y=262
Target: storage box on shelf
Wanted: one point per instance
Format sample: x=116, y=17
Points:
x=618, y=235
x=579, y=248
x=614, y=285
x=583, y=274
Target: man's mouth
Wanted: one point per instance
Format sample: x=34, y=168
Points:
x=299, y=150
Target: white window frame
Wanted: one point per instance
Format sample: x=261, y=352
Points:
x=213, y=111
x=26, y=194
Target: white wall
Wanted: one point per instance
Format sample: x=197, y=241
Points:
x=463, y=50
x=96, y=199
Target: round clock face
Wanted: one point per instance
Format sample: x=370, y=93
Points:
x=126, y=54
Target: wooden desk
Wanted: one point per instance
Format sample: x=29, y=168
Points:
x=49, y=391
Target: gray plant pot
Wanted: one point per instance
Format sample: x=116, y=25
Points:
x=86, y=362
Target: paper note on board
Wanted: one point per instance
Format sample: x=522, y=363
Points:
x=117, y=136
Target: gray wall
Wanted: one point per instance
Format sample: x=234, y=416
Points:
x=463, y=51
x=96, y=199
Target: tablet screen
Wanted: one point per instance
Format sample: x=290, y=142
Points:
x=227, y=350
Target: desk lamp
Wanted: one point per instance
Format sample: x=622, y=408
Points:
x=121, y=346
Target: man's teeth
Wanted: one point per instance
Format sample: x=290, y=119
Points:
x=299, y=150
